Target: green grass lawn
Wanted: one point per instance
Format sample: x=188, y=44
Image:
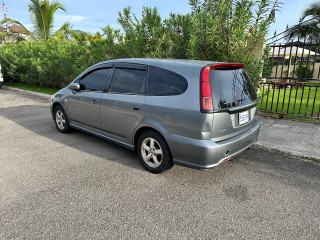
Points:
x=291, y=101
x=32, y=88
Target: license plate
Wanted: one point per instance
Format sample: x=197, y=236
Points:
x=243, y=117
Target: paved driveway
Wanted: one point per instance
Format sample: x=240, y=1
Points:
x=77, y=186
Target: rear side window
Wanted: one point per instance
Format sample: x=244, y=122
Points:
x=231, y=88
x=95, y=81
x=162, y=82
x=128, y=81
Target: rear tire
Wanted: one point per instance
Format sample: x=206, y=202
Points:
x=61, y=120
x=154, y=152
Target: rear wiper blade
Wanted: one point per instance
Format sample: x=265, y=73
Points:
x=234, y=101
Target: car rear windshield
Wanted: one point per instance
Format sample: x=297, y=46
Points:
x=231, y=88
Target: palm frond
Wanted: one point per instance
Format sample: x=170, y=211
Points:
x=43, y=17
x=70, y=34
x=310, y=28
x=12, y=35
x=11, y=21
x=312, y=10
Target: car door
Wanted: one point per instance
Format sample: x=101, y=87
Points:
x=122, y=107
x=84, y=105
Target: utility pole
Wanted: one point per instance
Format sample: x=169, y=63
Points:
x=5, y=12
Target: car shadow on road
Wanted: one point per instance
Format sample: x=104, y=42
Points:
x=37, y=118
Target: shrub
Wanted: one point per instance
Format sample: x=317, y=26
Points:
x=229, y=31
x=220, y=30
x=50, y=64
x=303, y=73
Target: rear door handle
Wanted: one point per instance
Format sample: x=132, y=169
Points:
x=135, y=108
x=93, y=101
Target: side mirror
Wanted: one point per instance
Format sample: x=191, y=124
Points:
x=74, y=86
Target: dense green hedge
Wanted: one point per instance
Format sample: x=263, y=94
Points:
x=214, y=30
x=50, y=64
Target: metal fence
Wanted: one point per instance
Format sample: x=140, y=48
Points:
x=291, y=99
x=291, y=80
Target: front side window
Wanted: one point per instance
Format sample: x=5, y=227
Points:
x=162, y=82
x=95, y=81
x=128, y=81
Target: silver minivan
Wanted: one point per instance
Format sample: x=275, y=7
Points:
x=193, y=113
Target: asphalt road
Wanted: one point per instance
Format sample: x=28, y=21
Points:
x=76, y=186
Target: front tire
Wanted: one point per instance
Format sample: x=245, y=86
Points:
x=154, y=152
x=61, y=120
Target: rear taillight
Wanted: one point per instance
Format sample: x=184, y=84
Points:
x=206, y=101
x=205, y=91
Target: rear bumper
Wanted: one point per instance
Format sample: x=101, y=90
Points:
x=206, y=154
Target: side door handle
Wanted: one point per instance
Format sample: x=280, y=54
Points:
x=135, y=108
x=93, y=101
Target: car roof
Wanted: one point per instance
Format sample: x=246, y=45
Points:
x=176, y=65
x=160, y=61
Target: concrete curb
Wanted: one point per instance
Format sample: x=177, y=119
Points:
x=298, y=155
x=42, y=95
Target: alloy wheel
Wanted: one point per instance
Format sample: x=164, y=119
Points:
x=60, y=120
x=151, y=152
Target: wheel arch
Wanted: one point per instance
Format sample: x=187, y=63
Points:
x=54, y=105
x=144, y=129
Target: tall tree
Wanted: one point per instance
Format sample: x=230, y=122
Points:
x=147, y=37
x=231, y=31
x=309, y=26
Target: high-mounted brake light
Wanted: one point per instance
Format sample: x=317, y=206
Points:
x=206, y=101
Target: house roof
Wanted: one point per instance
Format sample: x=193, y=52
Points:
x=14, y=28
x=288, y=51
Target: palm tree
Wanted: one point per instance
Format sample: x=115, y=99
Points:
x=42, y=13
x=309, y=26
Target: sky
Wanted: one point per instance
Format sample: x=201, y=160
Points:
x=92, y=15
